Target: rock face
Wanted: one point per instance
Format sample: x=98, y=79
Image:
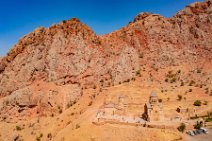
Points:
x=71, y=56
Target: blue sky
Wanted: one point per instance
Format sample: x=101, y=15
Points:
x=19, y=17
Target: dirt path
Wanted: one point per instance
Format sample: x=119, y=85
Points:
x=202, y=137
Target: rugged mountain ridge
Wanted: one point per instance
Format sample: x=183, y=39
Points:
x=52, y=67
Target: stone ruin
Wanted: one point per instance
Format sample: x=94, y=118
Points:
x=153, y=109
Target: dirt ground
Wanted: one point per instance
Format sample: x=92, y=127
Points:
x=75, y=123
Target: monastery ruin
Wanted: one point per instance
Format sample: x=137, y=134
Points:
x=119, y=112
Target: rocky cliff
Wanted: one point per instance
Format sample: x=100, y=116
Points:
x=51, y=67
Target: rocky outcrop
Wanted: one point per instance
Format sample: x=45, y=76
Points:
x=71, y=56
x=36, y=100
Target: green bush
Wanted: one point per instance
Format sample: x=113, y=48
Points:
x=18, y=128
x=208, y=120
x=197, y=103
x=182, y=127
x=198, y=125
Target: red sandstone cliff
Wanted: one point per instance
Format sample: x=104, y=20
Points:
x=51, y=66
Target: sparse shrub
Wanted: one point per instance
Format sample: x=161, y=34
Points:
x=199, y=70
x=191, y=82
x=94, y=87
x=208, y=119
x=38, y=139
x=197, y=103
x=179, y=97
x=160, y=100
x=179, y=71
x=170, y=72
x=141, y=55
x=166, y=80
x=49, y=135
x=190, y=90
x=90, y=103
x=93, y=96
x=173, y=80
x=60, y=111
x=182, y=83
x=18, y=128
x=195, y=117
x=70, y=104
x=109, y=83
x=182, y=127
x=77, y=126
x=205, y=103
x=138, y=72
x=52, y=114
x=128, y=80
x=6, y=102
x=198, y=125
x=41, y=135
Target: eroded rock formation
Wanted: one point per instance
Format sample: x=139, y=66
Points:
x=51, y=66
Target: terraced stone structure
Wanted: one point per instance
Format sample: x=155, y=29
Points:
x=153, y=110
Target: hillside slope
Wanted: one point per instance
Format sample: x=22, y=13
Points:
x=53, y=69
